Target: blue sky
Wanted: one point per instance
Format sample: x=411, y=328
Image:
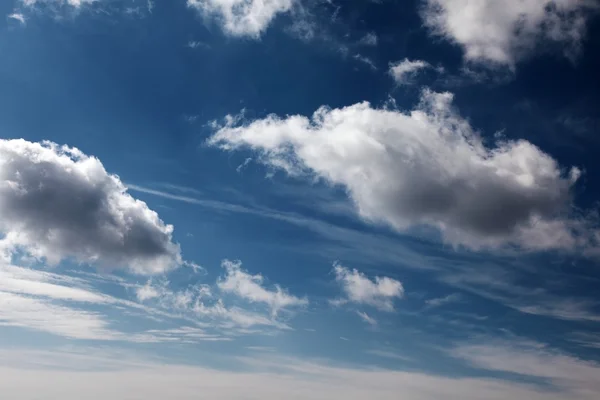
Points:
x=302, y=198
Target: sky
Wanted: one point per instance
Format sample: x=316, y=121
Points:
x=304, y=199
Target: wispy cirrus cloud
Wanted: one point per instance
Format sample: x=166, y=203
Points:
x=271, y=377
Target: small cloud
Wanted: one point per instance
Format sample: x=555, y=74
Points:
x=195, y=44
x=249, y=18
x=243, y=165
x=365, y=60
x=370, y=39
x=250, y=287
x=379, y=293
x=440, y=301
x=365, y=317
x=17, y=17
x=344, y=338
x=405, y=71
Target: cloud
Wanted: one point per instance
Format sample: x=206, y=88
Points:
x=359, y=289
x=504, y=284
x=57, y=203
x=440, y=301
x=368, y=319
x=243, y=17
x=203, y=302
x=33, y=313
x=17, y=17
x=535, y=360
x=370, y=39
x=504, y=32
x=65, y=374
x=426, y=167
x=249, y=287
x=72, y=3
x=404, y=71
x=365, y=60
x=59, y=304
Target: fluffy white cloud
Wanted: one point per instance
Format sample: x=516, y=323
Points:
x=359, y=289
x=250, y=287
x=58, y=203
x=502, y=32
x=425, y=167
x=243, y=17
x=404, y=71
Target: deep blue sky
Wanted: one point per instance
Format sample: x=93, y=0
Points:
x=139, y=90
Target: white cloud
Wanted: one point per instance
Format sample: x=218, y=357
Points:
x=359, y=289
x=243, y=17
x=404, y=71
x=249, y=287
x=425, y=167
x=502, y=32
x=203, y=302
x=58, y=203
x=17, y=17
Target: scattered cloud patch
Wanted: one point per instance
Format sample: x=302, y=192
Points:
x=17, y=17
x=370, y=39
x=405, y=71
x=359, y=289
x=368, y=319
x=502, y=33
x=426, y=167
x=243, y=17
x=365, y=60
x=440, y=301
x=196, y=44
x=58, y=203
x=72, y=3
x=210, y=304
x=250, y=287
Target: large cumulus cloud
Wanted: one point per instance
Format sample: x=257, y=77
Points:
x=57, y=203
x=424, y=167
